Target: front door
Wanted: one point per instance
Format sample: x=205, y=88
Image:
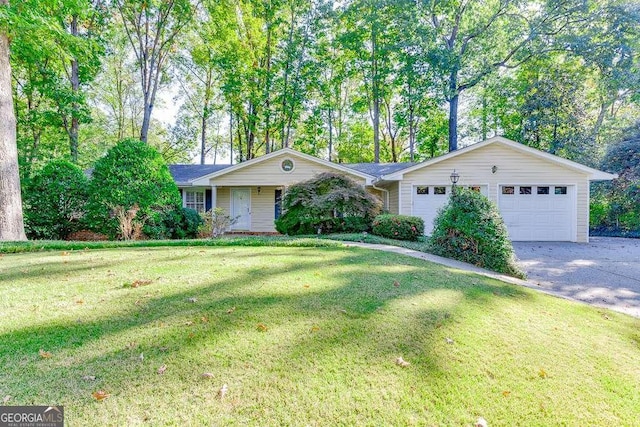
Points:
x=240, y=208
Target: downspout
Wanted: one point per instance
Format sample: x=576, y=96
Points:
x=385, y=191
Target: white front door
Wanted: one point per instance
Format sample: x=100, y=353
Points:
x=241, y=208
x=538, y=212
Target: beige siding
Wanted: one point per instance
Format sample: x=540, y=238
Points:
x=223, y=199
x=263, y=209
x=269, y=172
x=513, y=167
x=394, y=195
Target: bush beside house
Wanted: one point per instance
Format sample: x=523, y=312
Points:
x=400, y=227
x=470, y=229
x=328, y=203
x=133, y=173
x=54, y=201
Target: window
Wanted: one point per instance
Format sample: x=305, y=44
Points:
x=422, y=190
x=508, y=190
x=287, y=165
x=525, y=190
x=543, y=190
x=194, y=200
x=278, y=203
x=439, y=190
x=561, y=190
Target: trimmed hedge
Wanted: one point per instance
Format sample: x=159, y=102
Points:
x=400, y=227
x=133, y=173
x=54, y=201
x=470, y=229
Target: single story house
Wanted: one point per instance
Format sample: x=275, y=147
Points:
x=541, y=197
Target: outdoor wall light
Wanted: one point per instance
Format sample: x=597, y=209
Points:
x=259, y=189
x=454, y=177
x=494, y=169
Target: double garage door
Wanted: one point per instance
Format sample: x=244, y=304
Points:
x=530, y=212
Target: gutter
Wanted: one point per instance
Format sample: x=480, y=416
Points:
x=384, y=190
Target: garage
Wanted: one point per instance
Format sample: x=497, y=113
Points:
x=428, y=199
x=538, y=212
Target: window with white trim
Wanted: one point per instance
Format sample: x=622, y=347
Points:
x=194, y=200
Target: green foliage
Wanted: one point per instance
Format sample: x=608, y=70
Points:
x=327, y=203
x=470, y=229
x=614, y=206
x=400, y=227
x=54, y=200
x=132, y=173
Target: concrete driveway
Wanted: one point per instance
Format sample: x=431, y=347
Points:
x=605, y=272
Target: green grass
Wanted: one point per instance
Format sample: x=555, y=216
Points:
x=335, y=324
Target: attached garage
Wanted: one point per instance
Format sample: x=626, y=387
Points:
x=538, y=212
x=541, y=197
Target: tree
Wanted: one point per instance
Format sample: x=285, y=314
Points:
x=473, y=39
x=11, y=219
x=152, y=27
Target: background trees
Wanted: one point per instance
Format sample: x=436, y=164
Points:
x=351, y=81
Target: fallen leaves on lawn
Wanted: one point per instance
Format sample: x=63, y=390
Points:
x=449, y=340
x=89, y=378
x=542, y=373
x=506, y=393
x=222, y=392
x=141, y=357
x=100, y=395
x=262, y=327
x=192, y=299
x=45, y=354
x=80, y=301
x=306, y=286
x=402, y=363
x=6, y=399
x=132, y=344
x=162, y=369
x=207, y=375
x=231, y=310
x=204, y=319
x=315, y=328
x=189, y=323
x=396, y=283
x=140, y=282
x=65, y=253
x=481, y=422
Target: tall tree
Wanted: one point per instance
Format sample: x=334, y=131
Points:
x=474, y=39
x=152, y=27
x=11, y=219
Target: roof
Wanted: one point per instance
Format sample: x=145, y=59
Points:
x=593, y=174
x=183, y=174
x=378, y=169
x=204, y=179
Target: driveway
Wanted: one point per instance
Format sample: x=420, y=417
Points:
x=605, y=272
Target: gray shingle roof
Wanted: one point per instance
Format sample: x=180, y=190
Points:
x=186, y=173
x=378, y=169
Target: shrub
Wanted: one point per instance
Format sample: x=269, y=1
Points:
x=54, y=201
x=470, y=229
x=214, y=223
x=133, y=173
x=328, y=203
x=400, y=227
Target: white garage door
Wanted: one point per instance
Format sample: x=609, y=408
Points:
x=428, y=199
x=538, y=212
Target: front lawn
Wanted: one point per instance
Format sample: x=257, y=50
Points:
x=302, y=336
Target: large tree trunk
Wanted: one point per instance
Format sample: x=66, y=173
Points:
x=453, y=111
x=376, y=98
x=11, y=221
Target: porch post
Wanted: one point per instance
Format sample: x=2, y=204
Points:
x=213, y=197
